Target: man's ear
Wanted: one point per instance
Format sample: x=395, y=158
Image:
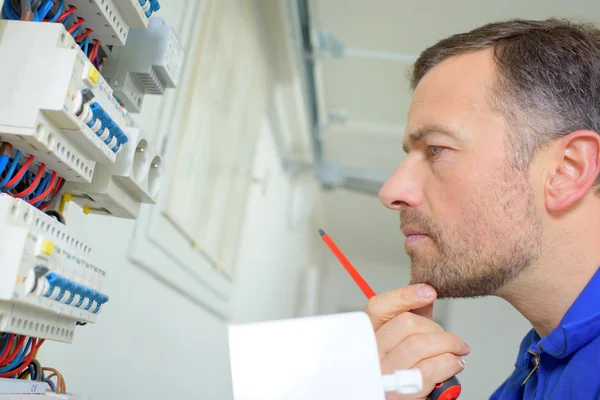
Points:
x=576, y=170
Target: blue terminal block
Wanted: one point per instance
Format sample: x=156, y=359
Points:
x=155, y=5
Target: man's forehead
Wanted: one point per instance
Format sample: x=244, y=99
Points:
x=450, y=94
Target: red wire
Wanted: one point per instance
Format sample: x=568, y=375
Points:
x=10, y=339
x=33, y=185
x=47, y=191
x=56, y=187
x=83, y=35
x=70, y=11
x=25, y=363
x=19, y=174
x=94, y=52
x=15, y=351
x=76, y=25
x=58, y=182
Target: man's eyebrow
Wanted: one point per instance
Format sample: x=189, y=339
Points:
x=424, y=132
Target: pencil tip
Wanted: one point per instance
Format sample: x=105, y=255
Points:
x=321, y=232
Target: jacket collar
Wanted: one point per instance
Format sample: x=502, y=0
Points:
x=578, y=327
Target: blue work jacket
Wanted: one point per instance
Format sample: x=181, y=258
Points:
x=565, y=364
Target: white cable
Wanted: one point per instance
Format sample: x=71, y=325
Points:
x=407, y=381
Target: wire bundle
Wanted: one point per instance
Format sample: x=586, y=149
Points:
x=17, y=354
x=40, y=189
x=17, y=360
x=50, y=11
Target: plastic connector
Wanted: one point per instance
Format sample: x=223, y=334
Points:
x=403, y=382
x=150, y=62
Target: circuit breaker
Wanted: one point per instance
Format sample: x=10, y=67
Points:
x=66, y=135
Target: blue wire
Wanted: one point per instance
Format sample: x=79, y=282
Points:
x=11, y=187
x=31, y=177
x=18, y=359
x=3, y=161
x=67, y=19
x=76, y=31
x=42, y=186
x=5, y=344
x=52, y=386
x=59, y=11
x=44, y=9
x=10, y=11
x=31, y=372
x=86, y=44
x=11, y=169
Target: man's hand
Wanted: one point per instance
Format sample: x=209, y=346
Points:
x=408, y=338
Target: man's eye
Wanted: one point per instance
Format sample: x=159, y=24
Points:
x=433, y=151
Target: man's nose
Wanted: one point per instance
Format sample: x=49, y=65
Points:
x=402, y=188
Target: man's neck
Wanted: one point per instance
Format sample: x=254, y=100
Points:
x=544, y=293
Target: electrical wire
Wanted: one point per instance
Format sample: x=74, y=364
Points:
x=61, y=4
x=57, y=189
x=85, y=45
x=73, y=30
x=9, y=11
x=17, y=178
x=11, y=168
x=57, y=215
x=33, y=184
x=8, y=342
x=83, y=35
x=10, y=360
x=94, y=53
x=66, y=14
x=44, y=9
x=34, y=348
x=51, y=384
x=61, y=384
x=36, y=201
x=40, y=189
x=3, y=162
x=39, y=373
x=26, y=13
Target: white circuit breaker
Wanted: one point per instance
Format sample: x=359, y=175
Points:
x=66, y=136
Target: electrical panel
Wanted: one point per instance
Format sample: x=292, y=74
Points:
x=67, y=135
x=150, y=62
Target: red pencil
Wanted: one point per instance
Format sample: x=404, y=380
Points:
x=362, y=284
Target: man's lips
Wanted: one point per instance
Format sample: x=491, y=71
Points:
x=413, y=235
x=412, y=232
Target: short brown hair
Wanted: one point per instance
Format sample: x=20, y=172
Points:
x=548, y=77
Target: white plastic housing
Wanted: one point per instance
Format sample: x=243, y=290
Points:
x=29, y=238
x=110, y=20
x=150, y=62
x=119, y=189
x=42, y=94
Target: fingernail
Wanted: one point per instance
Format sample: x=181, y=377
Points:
x=426, y=291
x=461, y=361
x=467, y=344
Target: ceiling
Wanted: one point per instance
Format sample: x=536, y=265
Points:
x=372, y=94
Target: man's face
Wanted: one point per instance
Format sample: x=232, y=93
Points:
x=469, y=217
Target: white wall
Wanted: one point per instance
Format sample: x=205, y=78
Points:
x=495, y=330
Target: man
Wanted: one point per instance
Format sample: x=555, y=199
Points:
x=500, y=195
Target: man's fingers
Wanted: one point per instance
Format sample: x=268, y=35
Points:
x=385, y=306
x=426, y=311
x=401, y=327
x=439, y=369
x=433, y=370
x=421, y=346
